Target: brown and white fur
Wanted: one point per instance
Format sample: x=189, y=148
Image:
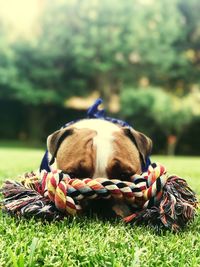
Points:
x=99, y=148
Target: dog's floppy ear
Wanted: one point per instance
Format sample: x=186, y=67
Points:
x=141, y=141
x=55, y=140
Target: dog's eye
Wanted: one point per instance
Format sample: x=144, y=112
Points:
x=72, y=175
x=125, y=176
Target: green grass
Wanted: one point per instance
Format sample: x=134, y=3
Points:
x=90, y=242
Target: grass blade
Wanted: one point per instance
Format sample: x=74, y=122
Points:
x=32, y=251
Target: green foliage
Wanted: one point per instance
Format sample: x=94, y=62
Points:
x=188, y=44
x=91, y=242
x=80, y=46
x=8, y=71
x=102, y=45
x=155, y=107
x=110, y=43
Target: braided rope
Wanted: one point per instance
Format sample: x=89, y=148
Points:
x=154, y=197
x=67, y=193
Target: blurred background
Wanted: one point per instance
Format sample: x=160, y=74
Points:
x=141, y=56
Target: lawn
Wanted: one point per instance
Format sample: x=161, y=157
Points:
x=89, y=242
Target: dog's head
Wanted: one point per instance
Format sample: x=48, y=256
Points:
x=98, y=148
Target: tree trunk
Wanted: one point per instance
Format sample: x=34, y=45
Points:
x=171, y=144
x=104, y=87
x=36, y=124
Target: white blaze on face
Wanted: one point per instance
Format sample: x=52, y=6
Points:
x=103, y=142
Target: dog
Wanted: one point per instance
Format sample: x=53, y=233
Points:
x=92, y=148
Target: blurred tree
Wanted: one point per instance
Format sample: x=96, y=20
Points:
x=188, y=46
x=8, y=71
x=105, y=45
x=99, y=45
x=152, y=108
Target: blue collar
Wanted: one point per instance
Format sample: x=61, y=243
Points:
x=93, y=112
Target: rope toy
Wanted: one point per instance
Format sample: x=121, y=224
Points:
x=155, y=197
